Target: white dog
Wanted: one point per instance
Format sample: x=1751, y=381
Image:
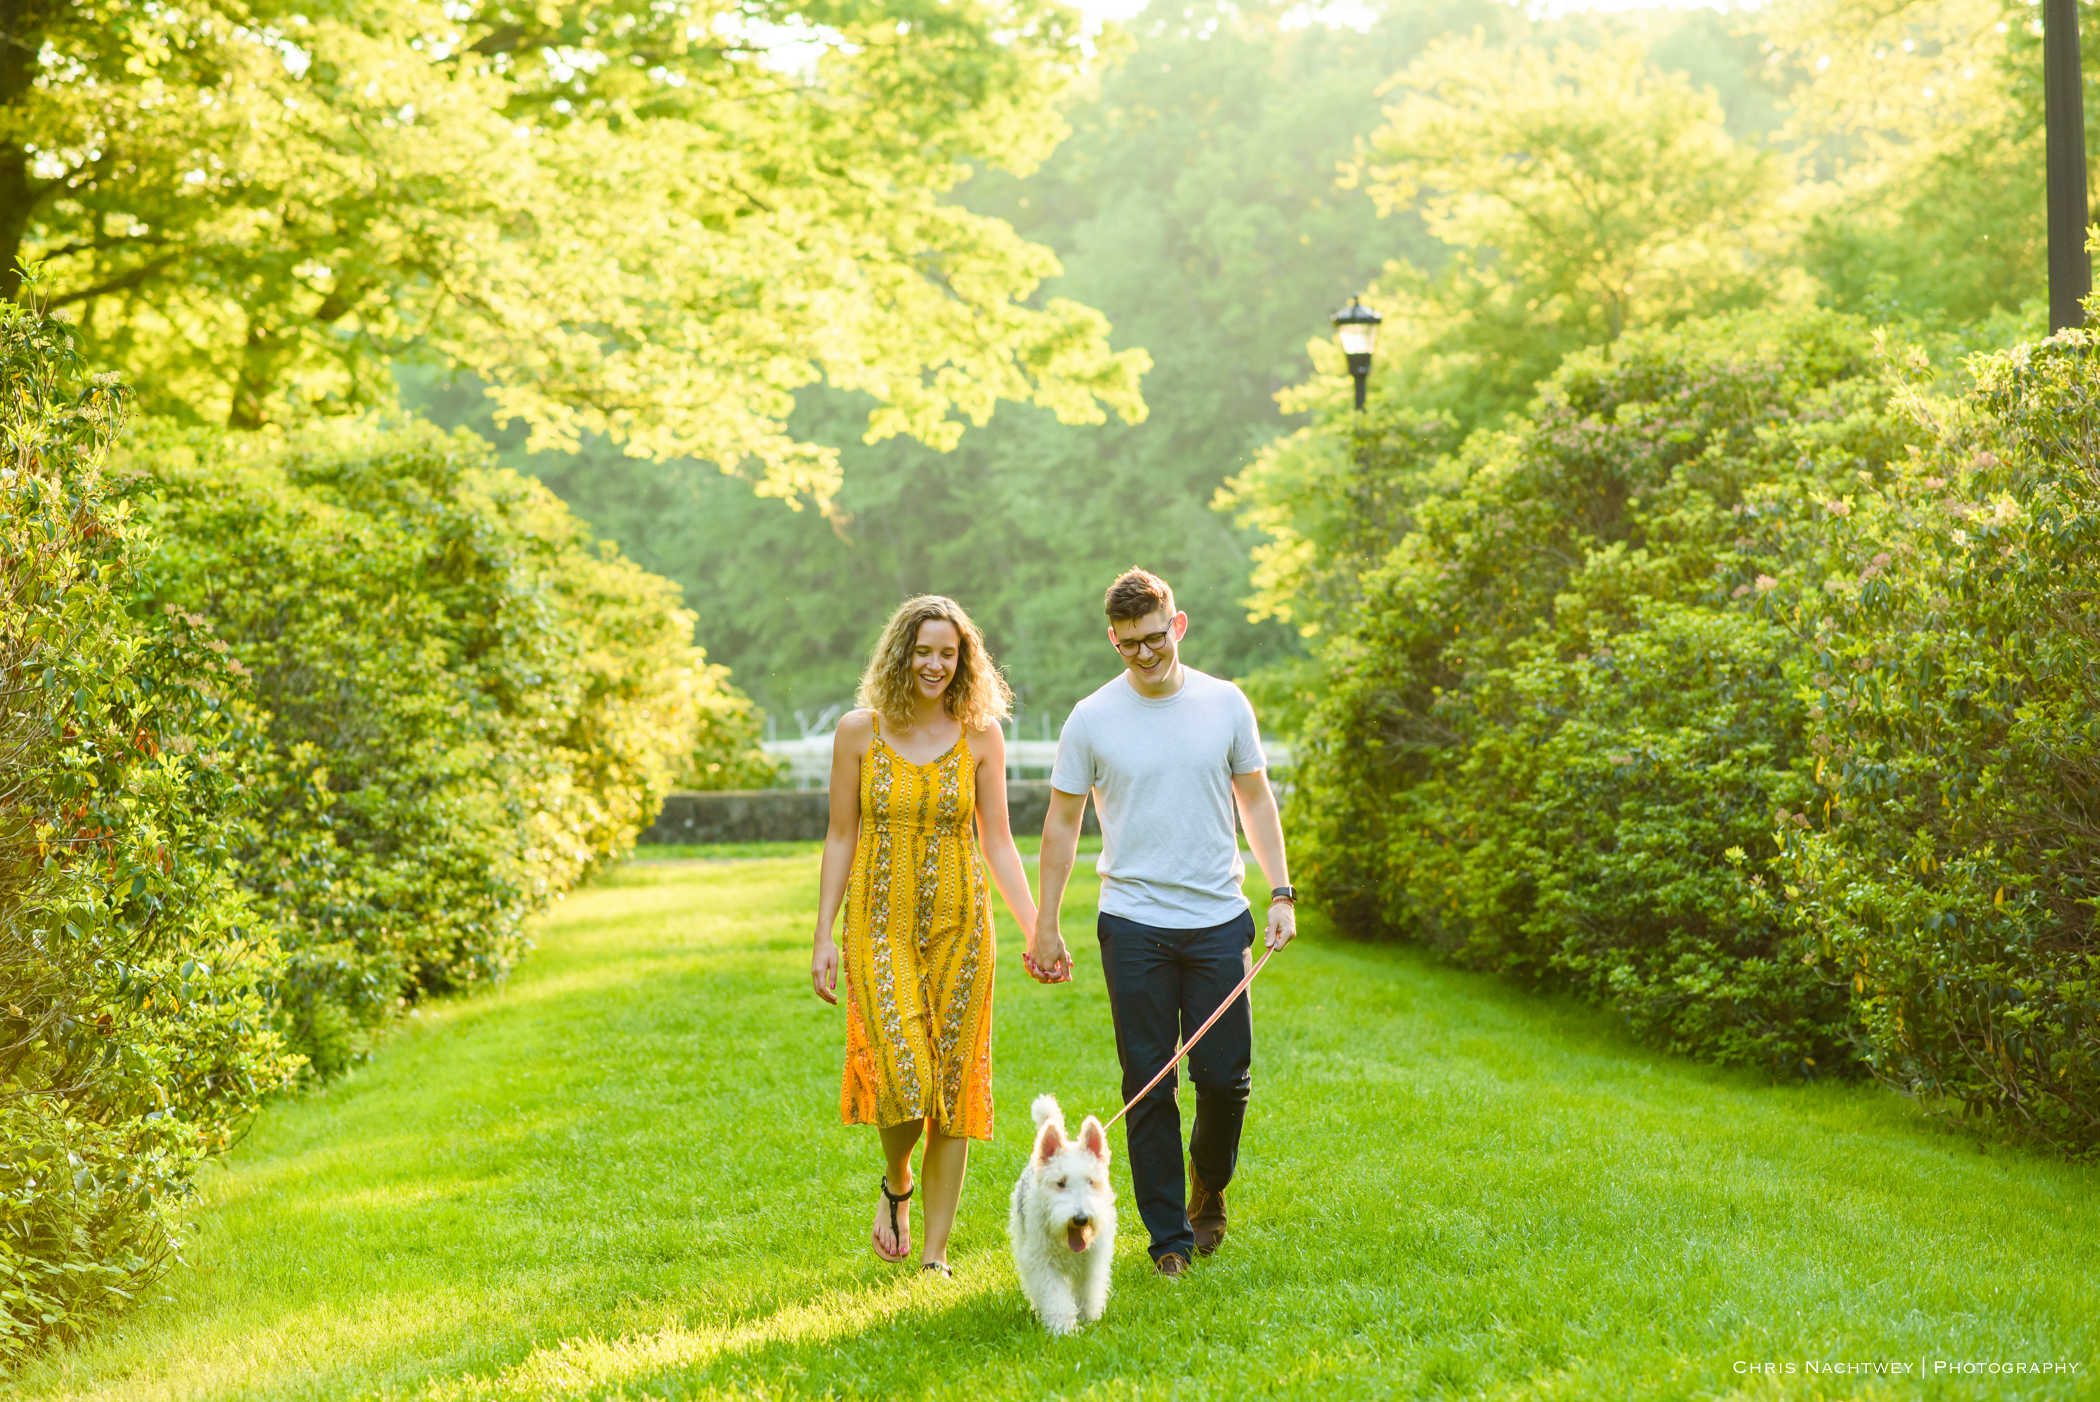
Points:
x=1063, y=1222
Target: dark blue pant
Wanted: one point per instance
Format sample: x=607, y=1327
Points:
x=1162, y=984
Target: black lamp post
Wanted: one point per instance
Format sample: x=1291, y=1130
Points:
x=2070, y=268
x=1356, y=326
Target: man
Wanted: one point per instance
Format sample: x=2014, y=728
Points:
x=1166, y=751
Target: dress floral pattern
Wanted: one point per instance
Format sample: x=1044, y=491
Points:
x=918, y=949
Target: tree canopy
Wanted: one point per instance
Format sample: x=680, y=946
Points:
x=1194, y=203
x=651, y=222
x=1583, y=191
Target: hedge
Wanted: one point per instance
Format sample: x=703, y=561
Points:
x=136, y=979
x=1554, y=734
x=1949, y=864
x=1753, y=689
x=467, y=705
x=293, y=732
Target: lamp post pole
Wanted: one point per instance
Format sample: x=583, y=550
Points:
x=2070, y=267
x=1356, y=327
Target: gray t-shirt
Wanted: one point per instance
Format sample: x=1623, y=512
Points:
x=1161, y=776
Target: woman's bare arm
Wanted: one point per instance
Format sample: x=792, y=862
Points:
x=849, y=745
x=994, y=830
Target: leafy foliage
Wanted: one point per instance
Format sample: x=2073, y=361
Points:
x=1697, y=691
x=1333, y=499
x=1555, y=733
x=1702, y=693
x=1923, y=121
x=648, y=221
x=1584, y=191
x=1951, y=868
x=725, y=752
x=135, y=979
x=1195, y=204
x=467, y=705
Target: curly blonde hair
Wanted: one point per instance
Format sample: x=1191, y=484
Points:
x=977, y=695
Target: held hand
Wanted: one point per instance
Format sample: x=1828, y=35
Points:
x=1028, y=944
x=1047, y=958
x=1283, y=924
x=824, y=969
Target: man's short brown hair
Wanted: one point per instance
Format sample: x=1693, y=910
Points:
x=1135, y=594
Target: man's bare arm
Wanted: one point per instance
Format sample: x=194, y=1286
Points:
x=1264, y=827
x=1060, y=853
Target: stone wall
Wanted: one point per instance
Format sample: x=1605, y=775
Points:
x=740, y=815
x=799, y=815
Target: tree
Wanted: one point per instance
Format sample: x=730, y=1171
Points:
x=465, y=704
x=1924, y=119
x=1194, y=203
x=1584, y=192
x=1560, y=712
x=649, y=221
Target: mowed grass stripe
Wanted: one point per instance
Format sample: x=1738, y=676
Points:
x=622, y=1174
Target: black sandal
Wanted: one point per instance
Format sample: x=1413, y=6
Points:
x=941, y=1266
x=895, y=1231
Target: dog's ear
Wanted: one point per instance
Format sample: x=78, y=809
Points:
x=1048, y=1140
x=1094, y=1139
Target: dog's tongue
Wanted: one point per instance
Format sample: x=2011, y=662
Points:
x=1075, y=1237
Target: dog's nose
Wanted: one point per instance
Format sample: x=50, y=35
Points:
x=1081, y=1221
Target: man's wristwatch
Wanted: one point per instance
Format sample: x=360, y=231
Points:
x=1288, y=895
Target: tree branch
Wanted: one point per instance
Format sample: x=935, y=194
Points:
x=134, y=278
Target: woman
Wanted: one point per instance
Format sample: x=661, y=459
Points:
x=910, y=770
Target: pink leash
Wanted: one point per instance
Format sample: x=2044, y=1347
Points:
x=1175, y=1060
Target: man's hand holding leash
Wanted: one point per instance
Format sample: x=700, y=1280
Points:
x=1264, y=828
x=1283, y=917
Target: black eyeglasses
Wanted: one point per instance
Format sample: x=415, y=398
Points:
x=1131, y=647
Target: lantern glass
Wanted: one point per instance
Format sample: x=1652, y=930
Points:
x=1356, y=327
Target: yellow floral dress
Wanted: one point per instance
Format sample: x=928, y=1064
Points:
x=918, y=949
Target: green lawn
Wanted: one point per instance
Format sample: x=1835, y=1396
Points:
x=622, y=1174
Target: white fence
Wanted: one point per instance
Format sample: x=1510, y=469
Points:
x=807, y=762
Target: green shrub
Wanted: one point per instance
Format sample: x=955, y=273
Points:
x=1597, y=829
x=726, y=751
x=134, y=978
x=467, y=704
x=1333, y=500
x=1704, y=693
x=1558, y=725
x=1950, y=867
x=290, y=731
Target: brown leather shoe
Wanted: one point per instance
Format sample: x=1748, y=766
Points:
x=1206, y=1215
x=1171, y=1266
